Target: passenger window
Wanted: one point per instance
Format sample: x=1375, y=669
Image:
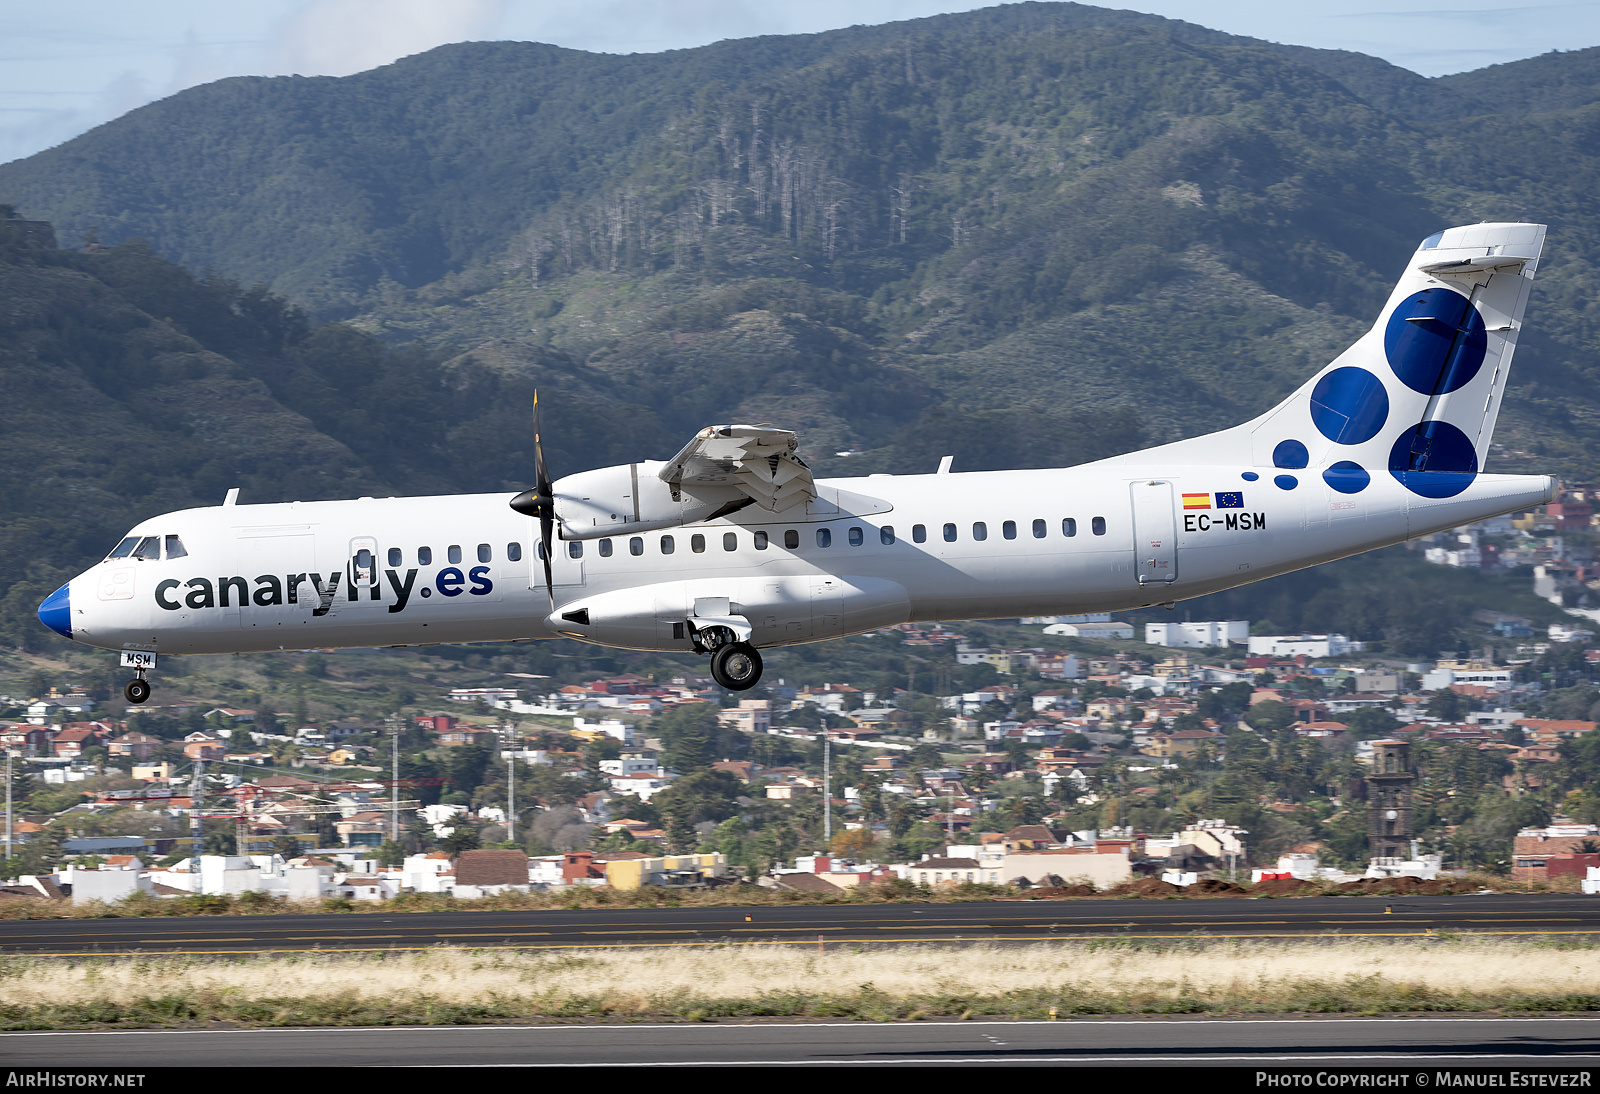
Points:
x=125, y=548
x=980, y=531
x=485, y=553
x=919, y=533
x=1039, y=529
x=791, y=539
x=1098, y=525
x=514, y=552
x=761, y=541
x=636, y=545
x=886, y=533
x=175, y=548
x=697, y=543
x=574, y=549
x=668, y=545
x=364, y=561
x=424, y=556
x=824, y=537
x=605, y=548
x=1069, y=527
x=730, y=541
x=454, y=554
x=856, y=538
x=395, y=556
x=949, y=533
x=149, y=548
x=541, y=550
x=1009, y=529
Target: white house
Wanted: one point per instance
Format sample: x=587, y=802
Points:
x=1197, y=636
x=1092, y=630
x=429, y=873
x=1306, y=645
x=644, y=784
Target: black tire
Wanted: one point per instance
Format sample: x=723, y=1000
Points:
x=736, y=666
x=137, y=691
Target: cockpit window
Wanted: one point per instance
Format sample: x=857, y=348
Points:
x=175, y=548
x=149, y=547
x=125, y=548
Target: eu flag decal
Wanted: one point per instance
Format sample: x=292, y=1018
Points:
x=1233, y=499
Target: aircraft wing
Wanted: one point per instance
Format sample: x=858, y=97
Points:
x=757, y=460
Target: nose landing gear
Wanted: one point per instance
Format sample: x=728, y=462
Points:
x=141, y=662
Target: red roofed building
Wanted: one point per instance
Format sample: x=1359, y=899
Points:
x=71, y=741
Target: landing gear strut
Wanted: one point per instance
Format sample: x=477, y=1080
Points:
x=141, y=662
x=736, y=666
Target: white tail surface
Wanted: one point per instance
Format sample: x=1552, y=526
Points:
x=1417, y=396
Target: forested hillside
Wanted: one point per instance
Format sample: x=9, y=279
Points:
x=1028, y=235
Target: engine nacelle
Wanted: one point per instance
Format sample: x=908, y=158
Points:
x=780, y=611
x=631, y=497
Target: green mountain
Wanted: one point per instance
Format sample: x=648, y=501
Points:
x=1027, y=235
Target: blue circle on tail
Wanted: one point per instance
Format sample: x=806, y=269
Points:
x=1435, y=341
x=1434, y=459
x=1290, y=454
x=1349, y=405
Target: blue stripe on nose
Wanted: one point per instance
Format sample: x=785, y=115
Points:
x=56, y=611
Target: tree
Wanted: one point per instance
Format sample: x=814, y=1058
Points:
x=853, y=844
x=1269, y=715
x=690, y=734
x=705, y=795
x=461, y=838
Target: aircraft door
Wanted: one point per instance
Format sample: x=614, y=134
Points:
x=1155, y=533
x=276, y=563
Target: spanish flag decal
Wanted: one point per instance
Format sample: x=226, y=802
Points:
x=1197, y=501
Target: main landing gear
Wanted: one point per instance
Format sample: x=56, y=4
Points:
x=735, y=665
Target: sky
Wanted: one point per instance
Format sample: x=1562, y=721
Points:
x=70, y=65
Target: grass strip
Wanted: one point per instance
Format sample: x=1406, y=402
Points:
x=461, y=986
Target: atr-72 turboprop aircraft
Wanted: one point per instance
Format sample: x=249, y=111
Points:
x=731, y=546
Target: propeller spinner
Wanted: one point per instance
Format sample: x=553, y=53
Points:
x=540, y=502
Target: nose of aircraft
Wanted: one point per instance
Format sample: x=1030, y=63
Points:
x=56, y=611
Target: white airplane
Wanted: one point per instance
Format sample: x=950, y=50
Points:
x=732, y=547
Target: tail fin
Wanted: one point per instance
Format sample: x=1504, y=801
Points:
x=1418, y=395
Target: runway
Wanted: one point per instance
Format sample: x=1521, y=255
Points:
x=996, y=921
x=1405, y=1044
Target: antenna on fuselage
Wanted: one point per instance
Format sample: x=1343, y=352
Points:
x=540, y=502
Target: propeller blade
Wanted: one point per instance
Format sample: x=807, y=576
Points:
x=540, y=502
x=541, y=471
x=547, y=514
x=547, y=525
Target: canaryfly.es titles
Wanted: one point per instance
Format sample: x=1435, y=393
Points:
x=318, y=589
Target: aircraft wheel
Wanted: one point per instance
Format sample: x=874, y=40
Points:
x=736, y=666
x=137, y=691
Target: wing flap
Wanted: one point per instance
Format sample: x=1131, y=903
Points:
x=758, y=460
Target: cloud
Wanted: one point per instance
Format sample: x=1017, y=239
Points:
x=339, y=37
